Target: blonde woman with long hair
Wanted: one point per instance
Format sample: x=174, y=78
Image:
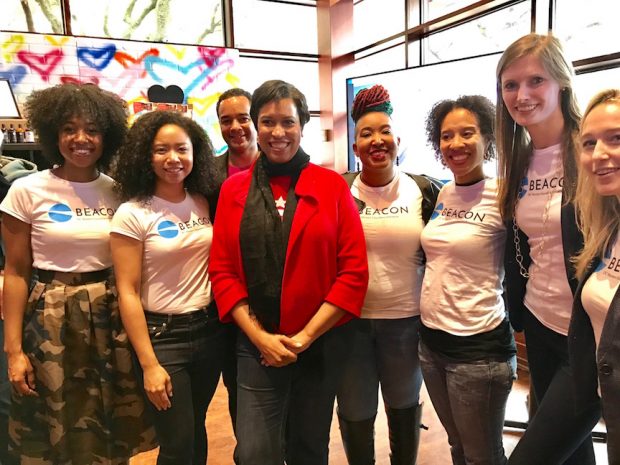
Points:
x=593, y=345
x=537, y=135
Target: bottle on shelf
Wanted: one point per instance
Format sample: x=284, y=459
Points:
x=19, y=134
x=28, y=135
x=5, y=134
x=12, y=134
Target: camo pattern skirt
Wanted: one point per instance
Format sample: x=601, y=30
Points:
x=89, y=408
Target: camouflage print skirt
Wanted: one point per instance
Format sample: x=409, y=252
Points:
x=89, y=409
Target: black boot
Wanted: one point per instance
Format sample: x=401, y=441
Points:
x=358, y=439
x=404, y=427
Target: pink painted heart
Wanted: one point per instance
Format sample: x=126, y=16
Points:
x=42, y=64
x=75, y=80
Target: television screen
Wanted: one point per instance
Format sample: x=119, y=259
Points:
x=413, y=92
x=8, y=105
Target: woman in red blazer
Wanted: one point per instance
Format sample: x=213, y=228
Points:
x=288, y=265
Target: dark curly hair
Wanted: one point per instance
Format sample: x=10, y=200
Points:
x=133, y=170
x=49, y=109
x=481, y=107
x=230, y=93
x=274, y=90
x=376, y=98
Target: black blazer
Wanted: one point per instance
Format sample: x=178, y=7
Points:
x=514, y=283
x=591, y=367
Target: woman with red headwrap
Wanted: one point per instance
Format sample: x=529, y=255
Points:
x=393, y=207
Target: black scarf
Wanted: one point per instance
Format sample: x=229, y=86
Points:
x=263, y=237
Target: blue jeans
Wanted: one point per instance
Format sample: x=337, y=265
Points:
x=190, y=348
x=470, y=400
x=385, y=352
x=556, y=434
x=286, y=413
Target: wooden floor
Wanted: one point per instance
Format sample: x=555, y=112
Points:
x=433, y=446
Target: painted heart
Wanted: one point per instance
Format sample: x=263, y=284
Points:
x=42, y=64
x=178, y=53
x=211, y=54
x=97, y=58
x=14, y=74
x=57, y=42
x=201, y=105
x=152, y=62
x=74, y=80
x=11, y=46
x=125, y=59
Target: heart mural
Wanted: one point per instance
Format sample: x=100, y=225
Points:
x=97, y=58
x=42, y=64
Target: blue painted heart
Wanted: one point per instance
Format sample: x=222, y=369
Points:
x=97, y=58
x=14, y=74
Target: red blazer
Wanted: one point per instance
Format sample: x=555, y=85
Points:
x=326, y=254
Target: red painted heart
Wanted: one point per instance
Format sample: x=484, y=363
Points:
x=42, y=64
x=74, y=80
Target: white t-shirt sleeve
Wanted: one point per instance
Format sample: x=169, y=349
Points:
x=18, y=202
x=129, y=221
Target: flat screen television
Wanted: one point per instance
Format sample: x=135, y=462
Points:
x=8, y=104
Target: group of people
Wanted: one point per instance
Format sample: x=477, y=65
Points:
x=141, y=266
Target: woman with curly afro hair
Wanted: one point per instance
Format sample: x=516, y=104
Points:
x=161, y=239
x=467, y=350
x=76, y=399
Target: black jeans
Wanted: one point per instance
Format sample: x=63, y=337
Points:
x=556, y=435
x=286, y=412
x=189, y=347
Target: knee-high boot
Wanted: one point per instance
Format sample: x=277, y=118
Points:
x=404, y=428
x=358, y=438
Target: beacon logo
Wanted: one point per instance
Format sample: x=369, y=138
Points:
x=437, y=212
x=602, y=264
x=523, y=187
x=60, y=213
x=168, y=229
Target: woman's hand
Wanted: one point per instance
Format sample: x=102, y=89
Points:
x=275, y=349
x=158, y=387
x=21, y=374
x=301, y=341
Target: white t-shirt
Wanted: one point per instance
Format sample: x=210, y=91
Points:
x=70, y=221
x=548, y=295
x=464, y=245
x=600, y=289
x=176, y=238
x=392, y=222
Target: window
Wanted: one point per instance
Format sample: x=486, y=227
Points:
x=276, y=26
x=27, y=15
x=179, y=21
x=304, y=75
x=390, y=57
x=487, y=34
x=374, y=20
x=438, y=8
x=591, y=32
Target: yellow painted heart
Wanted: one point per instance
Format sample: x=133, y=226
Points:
x=178, y=53
x=201, y=105
x=57, y=41
x=13, y=45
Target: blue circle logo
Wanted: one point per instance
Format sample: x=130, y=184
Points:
x=438, y=210
x=60, y=213
x=523, y=188
x=602, y=264
x=167, y=229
